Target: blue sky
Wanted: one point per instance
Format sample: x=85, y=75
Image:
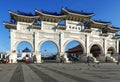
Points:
x=106, y=10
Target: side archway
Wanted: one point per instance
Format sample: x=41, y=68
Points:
x=74, y=50
x=24, y=44
x=111, y=50
x=79, y=41
x=14, y=47
x=96, y=50
x=21, y=50
x=24, y=52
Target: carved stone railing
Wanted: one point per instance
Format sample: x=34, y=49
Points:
x=36, y=26
x=104, y=34
x=87, y=30
x=61, y=27
x=116, y=37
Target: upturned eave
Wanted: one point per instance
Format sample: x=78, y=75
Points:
x=65, y=11
x=22, y=18
x=94, y=24
x=10, y=25
x=113, y=30
x=49, y=17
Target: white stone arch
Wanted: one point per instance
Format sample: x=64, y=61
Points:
x=43, y=41
x=13, y=53
x=80, y=41
x=18, y=42
x=98, y=44
x=114, y=49
x=111, y=46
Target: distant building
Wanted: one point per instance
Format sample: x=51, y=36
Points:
x=95, y=50
x=26, y=53
x=1, y=55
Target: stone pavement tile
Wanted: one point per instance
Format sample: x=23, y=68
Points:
x=66, y=74
x=29, y=75
x=18, y=74
x=102, y=73
x=6, y=72
x=42, y=75
x=55, y=75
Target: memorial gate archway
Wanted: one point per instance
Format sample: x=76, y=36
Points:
x=44, y=26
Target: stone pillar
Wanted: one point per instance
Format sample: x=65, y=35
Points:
x=13, y=57
x=12, y=35
x=62, y=53
x=34, y=39
x=117, y=46
x=87, y=45
x=38, y=56
x=105, y=47
x=61, y=49
x=12, y=53
x=36, y=52
x=61, y=43
x=1, y=55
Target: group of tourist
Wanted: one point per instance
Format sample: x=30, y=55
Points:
x=4, y=60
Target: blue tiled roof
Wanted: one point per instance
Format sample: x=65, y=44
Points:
x=101, y=21
x=51, y=13
x=79, y=12
x=23, y=13
x=26, y=50
x=115, y=27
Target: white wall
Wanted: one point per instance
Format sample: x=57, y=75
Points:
x=59, y=37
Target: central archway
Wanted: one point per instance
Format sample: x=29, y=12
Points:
x=49, y=51
x=74, y=50
x=96, y=50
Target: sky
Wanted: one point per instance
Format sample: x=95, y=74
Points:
x=105, y=10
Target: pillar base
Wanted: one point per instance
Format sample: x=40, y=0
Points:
x=13, y=57
x=38, y=57
x=64, y=57
x=58, y=58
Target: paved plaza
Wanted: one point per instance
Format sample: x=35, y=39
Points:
x=60, y=72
